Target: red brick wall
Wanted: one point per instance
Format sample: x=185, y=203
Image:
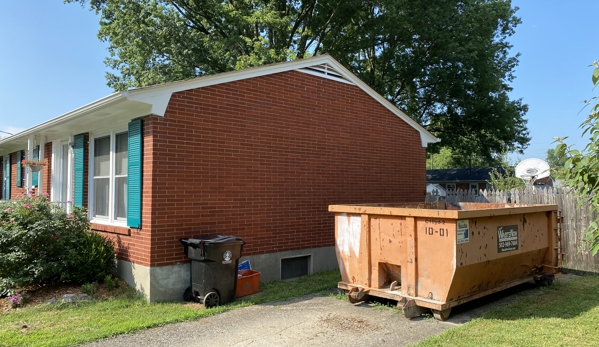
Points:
x=47, y=175
x=263, y=158
x=19, y=192
x=16, y=192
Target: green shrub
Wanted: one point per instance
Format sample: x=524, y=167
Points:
x=41, y=243
x=91, y=259
x=89, y=289
x=111, y=282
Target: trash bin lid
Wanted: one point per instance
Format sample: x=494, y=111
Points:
x=211, y=239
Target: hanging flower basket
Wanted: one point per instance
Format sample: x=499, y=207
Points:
x=33, y=165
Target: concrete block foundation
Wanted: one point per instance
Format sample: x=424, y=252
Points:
x=167, y=283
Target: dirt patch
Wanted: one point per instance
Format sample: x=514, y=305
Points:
x=41, y=294
x=335, y=321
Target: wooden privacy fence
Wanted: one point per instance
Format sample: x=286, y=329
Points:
x=574, y=219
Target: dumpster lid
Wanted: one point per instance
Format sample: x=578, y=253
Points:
x=211, y=239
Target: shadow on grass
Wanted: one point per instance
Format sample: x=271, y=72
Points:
x=566, y=298
x=563, y=300
x=275, y=292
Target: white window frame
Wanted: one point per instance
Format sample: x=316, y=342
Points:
x=58, y=175
x=5, y=196
x=473, y=186
x=450, y=186
x=112, y=178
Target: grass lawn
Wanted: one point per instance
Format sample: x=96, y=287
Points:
x=68, y=324
x=565, y=314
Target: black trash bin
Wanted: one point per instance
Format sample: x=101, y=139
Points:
x=213, y=268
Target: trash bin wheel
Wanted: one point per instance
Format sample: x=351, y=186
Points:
x=211, y=300
x=188, y=294
x=441, y=315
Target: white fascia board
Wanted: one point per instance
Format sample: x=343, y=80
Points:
x=159, y=96
x=72, y=120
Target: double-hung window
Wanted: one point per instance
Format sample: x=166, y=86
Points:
x=109, y=178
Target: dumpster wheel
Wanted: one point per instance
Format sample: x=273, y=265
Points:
x=544, y=280
x=211, y=300
x=356, y=295
x=441, y=314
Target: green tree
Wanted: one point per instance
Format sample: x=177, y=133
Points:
x=556, y=163
x=553, y=159
x=581, y=169
x=448, y=159
x=504, y=178
x=445, y=63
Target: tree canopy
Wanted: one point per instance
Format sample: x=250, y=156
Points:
x=444, y=63
x=448, y=159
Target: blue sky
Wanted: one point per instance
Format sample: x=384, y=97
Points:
x=52, y=63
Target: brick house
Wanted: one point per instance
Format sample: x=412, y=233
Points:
x=257, y=153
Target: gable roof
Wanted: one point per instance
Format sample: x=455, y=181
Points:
x=126, y=105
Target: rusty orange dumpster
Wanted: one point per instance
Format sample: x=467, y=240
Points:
x=439, y=255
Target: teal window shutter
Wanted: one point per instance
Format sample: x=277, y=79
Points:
x=79, y=177
x=19, y=182
x=6, y=190
x=134, y=162
x=35, y=175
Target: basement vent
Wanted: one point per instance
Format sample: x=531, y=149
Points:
x=326, y=71
x=295, y=267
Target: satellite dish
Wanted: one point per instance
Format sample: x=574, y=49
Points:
x=532, y=169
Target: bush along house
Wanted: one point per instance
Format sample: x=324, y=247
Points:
x=257, y=153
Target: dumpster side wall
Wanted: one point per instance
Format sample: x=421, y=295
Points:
x=502, y=249
x=444, y=260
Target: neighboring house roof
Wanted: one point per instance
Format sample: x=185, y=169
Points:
x=478, y=174
x=124, y=106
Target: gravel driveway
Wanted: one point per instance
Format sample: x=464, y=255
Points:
x=314, y=321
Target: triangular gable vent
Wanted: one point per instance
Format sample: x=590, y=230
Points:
x=326, y=71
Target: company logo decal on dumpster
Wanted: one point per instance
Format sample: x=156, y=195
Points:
x=463, y=227
x=227, y=257
x=507, y=238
